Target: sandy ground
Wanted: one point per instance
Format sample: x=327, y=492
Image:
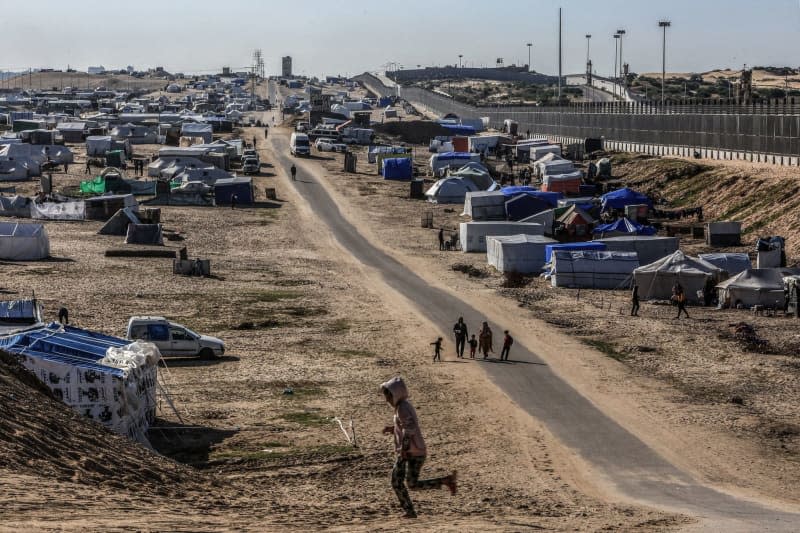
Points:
x=673, y=383
x=330, y=332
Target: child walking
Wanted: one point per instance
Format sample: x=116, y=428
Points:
x=409, y=445
x=437, y=350
x=473, y=345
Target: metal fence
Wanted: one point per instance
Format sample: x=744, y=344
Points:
x=769, y=131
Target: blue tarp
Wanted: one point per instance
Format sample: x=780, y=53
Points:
x=551, y=198
x=525, y=205
x=17, y=311
x=572, y=247
x=621, y=197
x=456, y=155
x=385, y=101
x=459, y=129
x=397, y=168
x=625, y=226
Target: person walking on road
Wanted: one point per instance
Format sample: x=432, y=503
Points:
x=441, y=239
x=473, y=344
x=410, y=449
x=508, y=340
x=437, y=350
x=461, y=333
x=680, y=299
x=635, y=301
x=485, y=340
x=88, y=166
x=293, y=170
x=234, y=201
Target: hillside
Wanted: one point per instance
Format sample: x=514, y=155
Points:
x=763, y=197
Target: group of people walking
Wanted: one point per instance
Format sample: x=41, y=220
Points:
x=484, y=342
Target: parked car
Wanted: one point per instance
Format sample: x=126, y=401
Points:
x=250, y=152
x=302, y=126
x=251, y=166
x=173, y=339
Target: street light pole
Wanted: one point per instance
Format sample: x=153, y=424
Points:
x=616, y=55
x=529, y=45
x=664, y=24
x=459, y=59
x=621, y=34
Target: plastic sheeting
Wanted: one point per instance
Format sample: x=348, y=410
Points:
x=621, y=197
x=657, y=279
x=452, y=160
x=649, y=248
x=762, y=286
x=623, y=226
x=144, y=234
x=485, y=205
x=524, y=254
x=592, y=269
x=59, y=210
x=15, y=206
x=473, y=234
x=732, y=263
x=572, y=247
x=450, y=191
x=397, y=169
x=23, y=242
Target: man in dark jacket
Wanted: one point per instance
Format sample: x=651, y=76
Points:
x=461, y=333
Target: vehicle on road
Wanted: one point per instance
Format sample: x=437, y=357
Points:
x=173, y=339
x=299, y=144
x=329, y=145
x=251, y=166
x=302, y=126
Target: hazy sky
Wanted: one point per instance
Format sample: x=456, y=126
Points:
x=350, y=37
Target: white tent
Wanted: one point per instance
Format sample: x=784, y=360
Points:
x=657, y=279
x=592, y=269
x=450, y=191
x=649, y=248
x=23, y=242
x=732, y=263
x=517, y=253
x=485, y=205
x=196, y=130
x=98, y=144
x=758, y=286
x=473, y=234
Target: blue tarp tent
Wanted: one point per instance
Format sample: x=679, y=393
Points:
x=551, y=198
x=525, y=205
x=572, y=247
x=623, y=226
x=225, y=188
x=621, y=197
x=459, y=129
x=397, y=169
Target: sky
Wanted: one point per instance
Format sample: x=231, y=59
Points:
x=349, y=37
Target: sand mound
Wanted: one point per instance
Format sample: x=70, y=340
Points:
x=413, y=132
x=43, y=437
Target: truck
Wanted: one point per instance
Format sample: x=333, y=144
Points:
x=299, y=144
x=173, y=339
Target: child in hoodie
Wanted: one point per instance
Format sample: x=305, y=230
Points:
x=410, y=448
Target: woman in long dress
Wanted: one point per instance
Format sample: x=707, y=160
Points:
x=485, y=340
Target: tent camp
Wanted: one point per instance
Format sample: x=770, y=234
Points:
x=473, y=234
x=758, y=286
x=657, y=279
x=23, y=242
x=649, y=248
x=623, y=227
x=523, y=254
x=621, y=197
x=732, y=263
x=591, y=269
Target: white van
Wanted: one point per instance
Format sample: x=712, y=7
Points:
x=172, y=338
x=299, y=144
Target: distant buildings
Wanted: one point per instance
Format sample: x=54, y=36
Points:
x=97, y=70
x=286, y=66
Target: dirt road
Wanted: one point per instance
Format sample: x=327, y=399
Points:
x=624, y=461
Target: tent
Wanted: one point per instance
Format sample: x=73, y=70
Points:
x=568, y=183
x=15, y=206
x=572, y=247
x=107, y=379
x=224, y=190
x=397, y=169
x=556, y=165
x=575, y=224
x=23, y=242
x=196, y=130
x=623, y=226
x=592, y=269
x=551, y=198
x=373, y=151
x=452, y=160
x=545, y=218
x=730, y=263
x=118, y=224
x=525, y=205
x=649, y=248
x=473, y=234
x=72, y=210
x=517, y=253
x=485, y=205
x=621, y=197
x=657, y=279
x=450, y=191
x=103, y=207
x=477, y=174
x=144, y=234
x=758, y=286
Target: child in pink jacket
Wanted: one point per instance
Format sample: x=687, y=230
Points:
x=409, y=445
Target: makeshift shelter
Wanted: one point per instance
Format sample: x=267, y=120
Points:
x=545, y=218
x=537, y=152
x=144, y=234
x=373, y=151
x=23, y=242
x=107, y=379
x=569, y=183
x=224, y=189
x=575, y=224
x=103, y=207
x=525, y=205
x=723, y=233
x=758, y=286
x=621, y=197
x=551, y=198
x=731, y=263
x=477, y=174
x=551, y=164
x=73, y=132
x=523, y=254
x=572, y=247
x=592, y=269
x=657, y=279
x=452, y=160
x=473, y=234
x=450, y=191
x=485, y=205
x=623, y=227
x=15, y=206
x=194, y=130
x=118, y=224
x=71, y=210
x=397, y=169
x=648, y=248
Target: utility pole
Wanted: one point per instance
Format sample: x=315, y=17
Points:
x=664, y=24
x=459, y=60
x=559, y=55
x=616, y=55
x=588, y=61
x=529, y=45
x=621, y=34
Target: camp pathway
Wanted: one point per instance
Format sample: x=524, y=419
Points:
x=629, y=464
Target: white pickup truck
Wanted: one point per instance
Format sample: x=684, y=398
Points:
x=174, y=339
